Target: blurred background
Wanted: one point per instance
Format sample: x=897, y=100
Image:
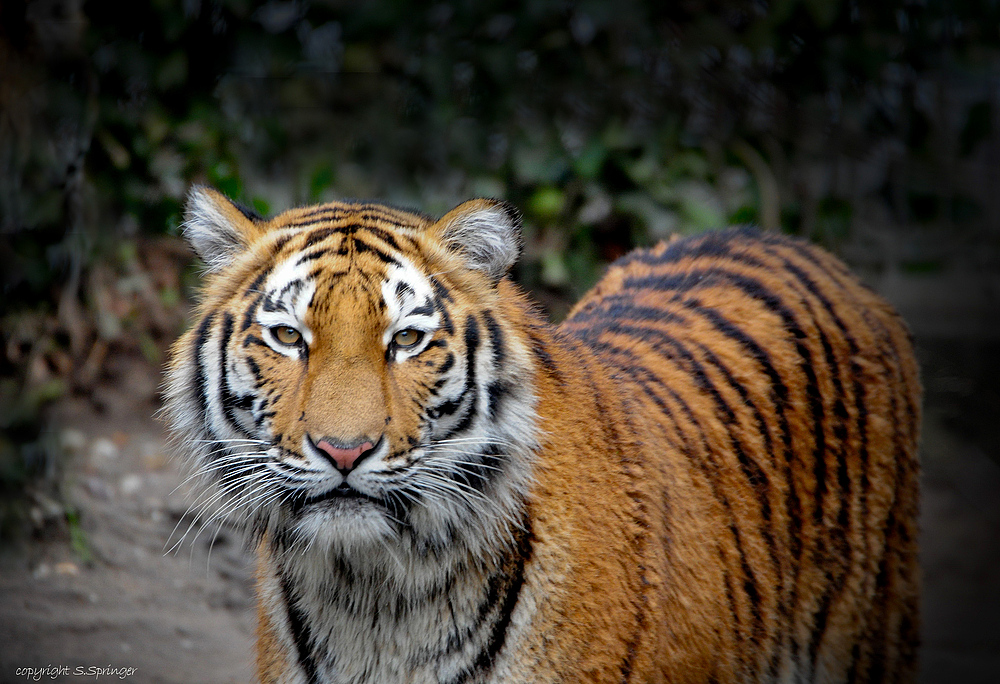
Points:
x=872, y=129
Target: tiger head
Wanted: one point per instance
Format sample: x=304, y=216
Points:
x=352, y=375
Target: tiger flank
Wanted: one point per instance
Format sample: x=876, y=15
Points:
x=707, y=473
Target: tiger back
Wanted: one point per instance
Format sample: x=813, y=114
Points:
x=707, y=473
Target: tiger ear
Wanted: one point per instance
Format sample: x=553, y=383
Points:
x=218, y=228
x=485, y=232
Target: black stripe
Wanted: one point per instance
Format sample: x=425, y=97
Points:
x=715, y=245
x=322, y=216
x=226, y=396
x=344, y=209
x=470, y=389
x=384, y=236
x=259, y=280
x=538, y=348
x=835, y=556
x=449, y=361
x=496, y=340
x=358, y=212
x=504, y=595
x=253, y=339
x=247, y=212
x=878, y=615
x=321, y=213
x=840, y=430
x=201, y=378
x=498, y=635
x=622, y=307
x=248, y=317
x=496, y=392
x=832, y=268
x=281, y=242
x=784, y=607
x=425, y=309
x=861, y=406
x=756, y=290
x=852, y=670
x=441, y=290
x=643, y=378
x=255, y=369
x=445, y=318
x=230, y=401
x=659, y=340
x=295, y=284
x=433, y=344
x=360, y=246
x=317, y=236
x=321, y=270
x=312, y=256
x=300, y=633
x=271, y=304
x=403, y=288
x=476, y=475
x=880, y=637
x=445, y=409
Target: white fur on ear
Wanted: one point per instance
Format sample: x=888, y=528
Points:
x=486, y=232
x=215, y=227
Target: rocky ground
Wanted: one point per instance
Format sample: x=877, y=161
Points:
x=116, y=599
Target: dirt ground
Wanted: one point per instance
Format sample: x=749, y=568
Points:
x=175, y=616
x=186, y=616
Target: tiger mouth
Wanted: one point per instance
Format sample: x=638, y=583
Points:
x=342, y=492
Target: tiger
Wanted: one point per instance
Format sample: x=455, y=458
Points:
x=708, y=472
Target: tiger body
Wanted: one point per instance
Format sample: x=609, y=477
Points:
x=707, y=473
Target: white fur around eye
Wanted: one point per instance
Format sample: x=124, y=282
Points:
x=409, y=300
x=288, y=306
x=293, y=351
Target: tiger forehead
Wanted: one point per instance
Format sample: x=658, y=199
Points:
x=328, y=265
x=330, y=248
x=361, y=214
x=356, y=234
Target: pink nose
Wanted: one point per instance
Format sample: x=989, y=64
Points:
x=344, y=458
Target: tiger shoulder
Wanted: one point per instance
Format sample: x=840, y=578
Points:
x=707, y=473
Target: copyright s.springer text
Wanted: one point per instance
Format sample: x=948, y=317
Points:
x=36, y=674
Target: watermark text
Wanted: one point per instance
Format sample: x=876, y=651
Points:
x=37, y=674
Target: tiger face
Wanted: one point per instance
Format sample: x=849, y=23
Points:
x=349, y=380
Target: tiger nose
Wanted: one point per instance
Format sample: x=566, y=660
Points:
x=344, y=458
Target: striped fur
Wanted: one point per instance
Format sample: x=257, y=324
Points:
x=707, y=473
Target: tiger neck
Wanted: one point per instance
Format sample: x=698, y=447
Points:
x=365, y=619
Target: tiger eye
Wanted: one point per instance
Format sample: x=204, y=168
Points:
x=407, y=338
x=286, y=334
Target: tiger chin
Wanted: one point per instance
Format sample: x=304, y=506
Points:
x=707, y=473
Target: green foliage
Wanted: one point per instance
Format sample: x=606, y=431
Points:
x=552, y=104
